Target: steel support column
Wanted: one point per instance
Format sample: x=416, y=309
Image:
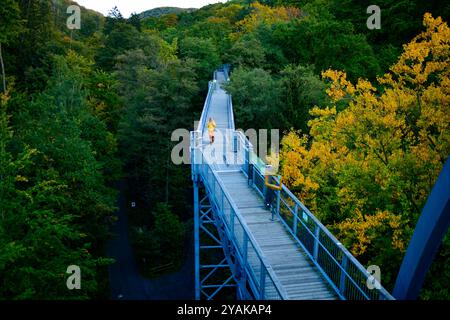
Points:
x=210, y=243
x=197, y=238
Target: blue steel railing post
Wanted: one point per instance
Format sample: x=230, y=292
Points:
x=295, y=220
x=231, y=222
x=224, y=142
x=316, y=242
x=278, y=204
x=247, y=159
x=192, y=150
x=245, y=248
x=262, y=282
x=265, y=195
x=245, y=259
x=343, y=275
x=231, y=113
x=197, y=238
x=221, y=208
x=196, y=180
x=253, y=173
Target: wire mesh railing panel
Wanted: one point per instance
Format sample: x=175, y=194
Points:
x=258, y=181
x=254, y=262
x=256, y=266
x=270, y=291
x=239, y=235
x=227, y=210
x=286, y=213
x=341, y=270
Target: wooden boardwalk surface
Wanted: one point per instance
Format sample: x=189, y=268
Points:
x=297, y=274
x=299, y=277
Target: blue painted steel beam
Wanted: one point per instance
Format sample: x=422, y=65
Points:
x=197, y=238
x=430, y=229
x=220, y=287
x=209, y=266
x=210, y=247
x=205, y=216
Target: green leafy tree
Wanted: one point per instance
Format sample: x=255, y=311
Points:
x=160, y=248
x=368, y=169
x=170, y=232
x=103, y=98
x=327, y=43
x=256, y=98
x=158, y=103
x=247, y=52
x=122, y=37
x=59, y=201
x=205, y=53
x=42, y=231
x=301, y=91
x=38, y=40
x=135, y=21
x=216, y=29
x=9, y=29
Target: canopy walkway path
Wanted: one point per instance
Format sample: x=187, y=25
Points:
x=273, y=247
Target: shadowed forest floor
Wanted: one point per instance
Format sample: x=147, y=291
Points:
x=125, y=281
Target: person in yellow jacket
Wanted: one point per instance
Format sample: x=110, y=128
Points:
x=211, y=129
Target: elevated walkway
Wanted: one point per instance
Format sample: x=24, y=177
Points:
x=278, y=252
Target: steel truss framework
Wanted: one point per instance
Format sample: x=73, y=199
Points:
x=212, y=241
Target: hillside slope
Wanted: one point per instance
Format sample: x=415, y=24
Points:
x=158, y=12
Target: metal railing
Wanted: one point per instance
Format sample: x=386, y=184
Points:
x=202, y=121
x=230, y=113
x=226, y=71
x=261, y=275
x=262, y=278
x=338, y=266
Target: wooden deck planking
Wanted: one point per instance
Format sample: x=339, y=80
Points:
x=297, y=274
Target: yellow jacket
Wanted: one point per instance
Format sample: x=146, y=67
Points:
x=211, y=125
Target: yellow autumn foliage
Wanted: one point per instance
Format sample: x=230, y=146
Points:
x=367, y=170
x=264, y=14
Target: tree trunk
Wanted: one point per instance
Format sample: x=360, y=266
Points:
x=3, y=69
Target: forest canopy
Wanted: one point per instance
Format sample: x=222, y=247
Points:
x=364, y=116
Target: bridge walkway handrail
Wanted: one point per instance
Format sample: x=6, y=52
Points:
x=343, y=272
